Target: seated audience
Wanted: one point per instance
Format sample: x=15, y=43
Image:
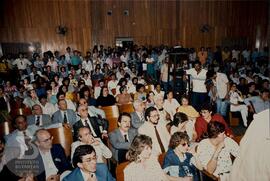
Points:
x=140, y=93
x=85, y=137
x=124, y=97
x=181, y=123
x=122, y=137
x=215, y=152
x=98, y=127
x=137, y=117
x=171, y=104
x=235, y=100
x=143, y=166
x=259, y=103
x=38, y=118
x=207, y=117
x=150, y=99
x=178, y=162
x=47, y=107
x=188, y=109
x=52, y=156
x=86, y=166
x=64, y=115
x=105, y=99
x=156, y=130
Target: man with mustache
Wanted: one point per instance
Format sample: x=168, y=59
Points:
x=122, y=137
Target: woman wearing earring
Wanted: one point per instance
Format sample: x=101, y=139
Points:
x=143, y=166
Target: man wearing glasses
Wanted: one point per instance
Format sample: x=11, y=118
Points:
x=52, y=156
x=156, y=130
x=87, y=168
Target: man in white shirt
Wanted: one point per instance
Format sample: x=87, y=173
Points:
x=21, y=62
x=112, y=84
x=52, y=157
x=86, y=138
x=221, y=82
x=199, y=91
x=156, y=130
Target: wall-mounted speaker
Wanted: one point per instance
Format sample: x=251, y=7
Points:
x=109, y=13
x=126, y=12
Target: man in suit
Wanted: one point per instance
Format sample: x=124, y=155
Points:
x=51, y=157
x=46, y=162
x=97, y=126
x=137, y=117
x=87, y=168
x=64, y=115
x=122, y=137
x=92, y=110
x=38, y=118
x=156, y=130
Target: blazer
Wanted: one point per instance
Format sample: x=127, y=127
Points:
x=58, y=118
x=102, y=174
x=44, y=118
x=59, y=159
x=118, y=141
x=95, y=123
x=136, y=121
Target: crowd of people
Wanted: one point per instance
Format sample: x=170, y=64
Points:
x=70, y=90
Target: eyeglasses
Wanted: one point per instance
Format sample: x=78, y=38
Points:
x=204, y=112
x=90, y=159
x=48, y=139
x=185, y=144
x=155, y=116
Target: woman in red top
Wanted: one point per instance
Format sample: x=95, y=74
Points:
x=205, y=118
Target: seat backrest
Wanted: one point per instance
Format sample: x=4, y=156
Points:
x=120, y=171
x=62, y=136
x=111, y=111
x=5, y=128
x=126, y=108
x=112, y=114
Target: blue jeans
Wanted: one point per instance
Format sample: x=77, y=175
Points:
x=222, y=107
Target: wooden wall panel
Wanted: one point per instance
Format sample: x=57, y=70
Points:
x=149, y=22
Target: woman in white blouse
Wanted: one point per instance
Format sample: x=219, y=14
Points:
x=235, y=99
x=215, y=152
x=143, y=165
x=171, y=104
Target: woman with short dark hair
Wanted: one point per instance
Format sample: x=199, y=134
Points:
x=178, y=162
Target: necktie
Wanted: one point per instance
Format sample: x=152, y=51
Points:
x=142, y=117
x=125, y=136
x=159, y=140
x=38, y=120
x=27, y=140
x=86, y=124
x=65, y=118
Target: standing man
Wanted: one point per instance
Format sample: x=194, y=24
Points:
x=199, y=91
x=222, y=86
